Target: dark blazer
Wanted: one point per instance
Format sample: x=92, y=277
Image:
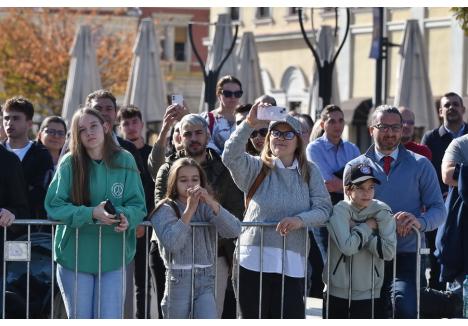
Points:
x=438, y=140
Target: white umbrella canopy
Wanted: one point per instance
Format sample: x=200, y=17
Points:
x=146, y=87
x=326, y=50
x=414, y=88
x=218, y=50
x=83, y=73
x=248, y=69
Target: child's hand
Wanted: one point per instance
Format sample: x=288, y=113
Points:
x=193, y=198
x=209, y=200
x=372, y=223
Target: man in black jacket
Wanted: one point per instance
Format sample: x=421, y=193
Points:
x=36, y=161
x=13, y=205
x=451, y=110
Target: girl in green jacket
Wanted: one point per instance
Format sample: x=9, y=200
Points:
x=92, y=246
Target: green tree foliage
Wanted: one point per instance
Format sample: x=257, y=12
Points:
x=461, y=14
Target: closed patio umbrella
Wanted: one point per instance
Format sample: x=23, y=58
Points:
x=146, y=87
x=414, y=88
x=83, y=73
x=248, y=69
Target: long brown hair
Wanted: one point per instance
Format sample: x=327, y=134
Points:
x=267, y=155
x=80, y=160
x=171, y=192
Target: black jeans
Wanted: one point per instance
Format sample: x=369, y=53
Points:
x=339, y=308
x=158, y=273
x=140, y=279
x=249, y=287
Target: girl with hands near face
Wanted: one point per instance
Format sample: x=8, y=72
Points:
x=188, y=200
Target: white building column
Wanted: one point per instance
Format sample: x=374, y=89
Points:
x=169, y=34
x=344, y=60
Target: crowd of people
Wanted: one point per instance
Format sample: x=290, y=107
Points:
x=300, y=178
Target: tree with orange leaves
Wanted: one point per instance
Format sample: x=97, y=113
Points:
x=34, y=54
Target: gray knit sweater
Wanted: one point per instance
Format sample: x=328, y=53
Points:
x=175, y=237
x=282, y=193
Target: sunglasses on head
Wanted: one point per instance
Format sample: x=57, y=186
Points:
x=262, y=132
x=236, y=94
x=288, y=135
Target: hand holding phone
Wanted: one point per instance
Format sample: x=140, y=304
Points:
x=272, y=113
x=177, y=99
x=109, y=207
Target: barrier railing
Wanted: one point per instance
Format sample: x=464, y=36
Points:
x=21, y=251
x=419, y=251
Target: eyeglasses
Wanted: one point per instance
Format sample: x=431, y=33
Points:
x=54, y=132
x=288, y=135
x=236, y=94
x=262, y=132
x=408, y=122
x=386, y=128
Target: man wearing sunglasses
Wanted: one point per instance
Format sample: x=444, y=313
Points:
x=222, y=121
x=408, y=182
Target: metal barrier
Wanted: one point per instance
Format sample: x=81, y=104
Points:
x=419, y=251
x=21, y=251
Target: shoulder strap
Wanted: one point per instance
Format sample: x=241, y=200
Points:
x=174, y=207
x=258, y=181
x=211, y=123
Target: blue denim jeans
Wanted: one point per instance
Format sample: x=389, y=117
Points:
x=405, y=285
x=87, y=293
x=178, y=294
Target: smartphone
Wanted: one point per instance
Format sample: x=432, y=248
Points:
x=178, y=99
x=109, y=207
x=275, y=113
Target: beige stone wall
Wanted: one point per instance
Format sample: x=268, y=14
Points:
x=276, y=56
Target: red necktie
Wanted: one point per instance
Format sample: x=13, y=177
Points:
x=386, y=165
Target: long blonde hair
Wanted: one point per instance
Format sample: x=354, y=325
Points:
x=267, y=155
x=80, y=160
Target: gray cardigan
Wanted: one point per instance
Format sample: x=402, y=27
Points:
x=282, y=193
x=175, y=237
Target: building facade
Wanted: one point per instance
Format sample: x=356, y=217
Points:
x=288, y=64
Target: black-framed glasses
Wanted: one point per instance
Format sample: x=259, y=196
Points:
x=262, y=132
x=288, y=135
x=386, y=128
x=55, y=132
x=236, y=94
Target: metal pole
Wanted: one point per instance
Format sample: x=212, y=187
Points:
x=260, y=292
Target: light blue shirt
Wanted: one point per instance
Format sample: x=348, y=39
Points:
x=455, y=134
x=379, y=156
x=331, y=158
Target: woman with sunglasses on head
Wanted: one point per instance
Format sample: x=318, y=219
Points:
x=293, y=196
x=222, y=121
x=52, y=134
